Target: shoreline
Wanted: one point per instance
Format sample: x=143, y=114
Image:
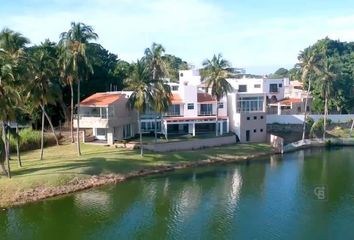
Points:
x=75, y=185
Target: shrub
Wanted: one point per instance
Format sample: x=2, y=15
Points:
x=31, y=139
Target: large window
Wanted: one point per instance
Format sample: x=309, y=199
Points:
x=242, y=88
x=273, y=88
x=174, y=110
x=250, y=104
x=206, y=109
x=174, y=88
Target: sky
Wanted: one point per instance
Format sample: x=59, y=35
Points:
x=258, y=35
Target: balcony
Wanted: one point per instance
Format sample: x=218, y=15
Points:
x=207, y=110
x=94, y=117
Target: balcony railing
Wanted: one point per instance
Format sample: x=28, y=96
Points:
x=206, y=113
x=91, y=115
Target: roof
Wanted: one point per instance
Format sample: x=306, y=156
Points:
x=205, y=97
x=176, y=99
x=101, y=99
x=287, y=101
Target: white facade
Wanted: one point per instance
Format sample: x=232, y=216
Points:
x=273, y=88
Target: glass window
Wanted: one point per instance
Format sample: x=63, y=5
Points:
x=221, y=105
x=255, y=117
x=261, y=130
x=174, y=110
x=257, y=86
x=174, y=88
x=250, y=104
x=261, y=117
x=280, y=85
x=101, y=132
x=273, y=87
x=190, y=106
x=242, y=88
x=254, y=130
x=206, y=109
x=248, y=118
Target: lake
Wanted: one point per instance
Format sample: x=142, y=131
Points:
x=302, y=195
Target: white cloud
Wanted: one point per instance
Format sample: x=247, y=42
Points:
x=191, y=29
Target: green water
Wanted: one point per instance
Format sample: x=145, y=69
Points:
x=272, y=198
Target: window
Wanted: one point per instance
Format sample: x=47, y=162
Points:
x=250, y=104
x=298, y=109
x=261, y=117
x=248, y=118
x=255, y=117
x=261, y=129
x=174, y=110
x=254, y=130
x=257, y=86
x=273, y=88
x=174, y=88
x=101, y=132
x=181, y=74
x=242, y=88
x=221, y=105
x=280, y=85
x=190, y=106
x=127, y=133
x=206, y=109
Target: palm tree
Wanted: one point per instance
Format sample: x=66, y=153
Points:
x=308, y=62
x=158, y=70
x=9, y=98
x=42, y=89
x=162, y=100
x=77, y=63
x=215, y=74
x=143, y=93
x=328, y=76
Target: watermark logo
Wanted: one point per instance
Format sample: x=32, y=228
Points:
x=321, y=193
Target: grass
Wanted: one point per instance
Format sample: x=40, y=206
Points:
x=61, y=163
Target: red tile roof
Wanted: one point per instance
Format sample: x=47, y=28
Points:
x=289, y=101
x=176, y=99
x=205, y=97
x=101, y=99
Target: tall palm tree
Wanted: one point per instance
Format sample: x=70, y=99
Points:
x=9, y=98
x=42, y=90
x=308, y=62
x=215, y=74
x=328, y=76
x=158, y=70
x=68, y=80
x=75, y=42
x=143, y=93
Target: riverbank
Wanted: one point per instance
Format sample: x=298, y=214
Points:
x=62, y=172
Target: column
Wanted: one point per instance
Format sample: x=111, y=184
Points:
x=279, y=109
x=193, y=131
x=110, y=139
x=227, y=125
x=221, y=123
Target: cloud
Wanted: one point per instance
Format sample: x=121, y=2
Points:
x=191, y=29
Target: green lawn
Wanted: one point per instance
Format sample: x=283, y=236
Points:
x=61, y=163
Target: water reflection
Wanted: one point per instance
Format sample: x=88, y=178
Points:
x=270, y=199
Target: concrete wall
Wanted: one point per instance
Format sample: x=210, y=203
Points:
x=189, y=95
x=255, y=123
x=299, y=118
x=190, y=145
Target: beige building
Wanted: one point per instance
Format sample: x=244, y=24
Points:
x=108, y=116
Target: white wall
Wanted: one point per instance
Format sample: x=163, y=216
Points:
x=189, y=77
x=298, y=119
x=189, y=95
x=250, y=82
x=280, y=93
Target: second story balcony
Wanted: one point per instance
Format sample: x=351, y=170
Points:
x=175, y=110
x=94, y=117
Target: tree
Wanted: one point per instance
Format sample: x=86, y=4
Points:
x=42, y=89
x=280, y=73
x=174, y=64
x=308, y=62
x=215, y=74
x=158, y=70
x=8, y=99
x=142, y=97
x=79, y=66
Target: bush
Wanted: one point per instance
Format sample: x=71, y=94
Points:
x=30, y=140
x=317, y=127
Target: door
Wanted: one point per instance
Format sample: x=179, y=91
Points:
x=248, y=132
